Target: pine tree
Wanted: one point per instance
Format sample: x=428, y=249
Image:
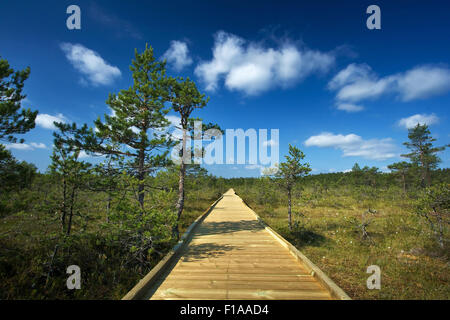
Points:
x=290, y=172
x=138, y=121
x=72, y=172
x=135, y=134
x=13, y=119
x=185, y=98
x=401, y=169
x=423, y=153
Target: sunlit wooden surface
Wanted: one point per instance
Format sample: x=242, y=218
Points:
x=232, y=256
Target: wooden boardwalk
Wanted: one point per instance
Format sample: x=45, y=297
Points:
x=231, y=255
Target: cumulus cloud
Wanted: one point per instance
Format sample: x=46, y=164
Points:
x=175, y=121
x=178, y=55
x=25, y=146
x=173, y=130
x=421, y=119
x=423, y=82
x=83, y=155
x=353, y=145
x=39, y=145
x=359, y=82
x=46, y=121
x=251, y=68
x=349, y=107
x=90, y=64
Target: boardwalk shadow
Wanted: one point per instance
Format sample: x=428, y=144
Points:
x=211, y=227
x=196, y=252
x=304, y=237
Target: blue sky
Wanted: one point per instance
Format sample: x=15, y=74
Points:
x=339, y=91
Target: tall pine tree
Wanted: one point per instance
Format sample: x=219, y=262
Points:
x=185, y=98
x=137, y=120
x=423, y=154
x=13, y=119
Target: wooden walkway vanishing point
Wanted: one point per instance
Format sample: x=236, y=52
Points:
x=229, y=253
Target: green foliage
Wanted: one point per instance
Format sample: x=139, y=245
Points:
x=15, y=176
x=290, y=171
x=72, y=173
x=402, y=170
x=342, y=233
x=423, y=154
x=434, y=206
x=184, y=98
x=139, y=234
x=12, y=119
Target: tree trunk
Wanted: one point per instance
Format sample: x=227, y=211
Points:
x=72, y=201
x=141, y=178
x=290, y=209
x=404, y=183
x=441, y=232
x=108, y=206
x=141, y=197
x=180, y=202
x=64, y=209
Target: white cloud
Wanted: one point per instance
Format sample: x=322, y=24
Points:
x=178, y=55
x=91, y=65
x=352, y=73
x=253, y=166
x=422, y=119
x=174, y=120
x=349, y=107
x=358, y=82
x=355, y=146
x=39, y=145
x=83, y=155
x=25, y=146
x=423, y=82
x=46, y=121
x=327, y=139
x=270, y=143
x=263, y=170
x=18, y=146
x=252, y=68
x=174, y=128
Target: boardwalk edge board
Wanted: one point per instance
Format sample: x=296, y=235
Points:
x=315, y=271
x=141, y=289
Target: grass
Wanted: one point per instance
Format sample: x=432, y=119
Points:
x=26, y=248
x=328, y=232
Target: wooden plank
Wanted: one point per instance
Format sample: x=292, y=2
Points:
x=232, y=255
x=241, y=284
x=241, y=277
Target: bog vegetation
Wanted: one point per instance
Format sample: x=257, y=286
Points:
x=117, y=218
